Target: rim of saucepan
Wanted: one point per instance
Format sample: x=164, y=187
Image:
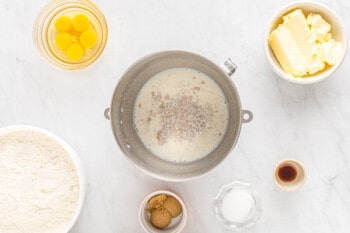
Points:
x=145, y=169
x=276, y=67
x=72, y=154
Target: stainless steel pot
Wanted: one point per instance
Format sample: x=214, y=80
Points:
x=120, y=114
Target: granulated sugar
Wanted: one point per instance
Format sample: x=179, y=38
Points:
x=237, y=205
x=39, y=185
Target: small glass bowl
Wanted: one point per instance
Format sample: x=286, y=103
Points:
x=254, y=214
x=44, y=32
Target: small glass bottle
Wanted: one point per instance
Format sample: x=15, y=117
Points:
x=44, y=32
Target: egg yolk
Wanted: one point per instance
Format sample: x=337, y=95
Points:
x=75, y=51
x=63, y=24
x=81, y=22
x=88, y=39
x=74, y=35
x=63, y=40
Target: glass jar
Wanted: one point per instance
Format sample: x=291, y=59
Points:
x=252, y=216
x=45, y=33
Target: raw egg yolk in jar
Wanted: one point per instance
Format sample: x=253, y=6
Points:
x=75, y=35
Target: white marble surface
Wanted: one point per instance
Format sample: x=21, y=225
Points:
x=309, y=123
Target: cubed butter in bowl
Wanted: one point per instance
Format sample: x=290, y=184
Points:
x=305, y=42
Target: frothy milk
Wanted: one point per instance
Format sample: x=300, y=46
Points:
x=181, y=115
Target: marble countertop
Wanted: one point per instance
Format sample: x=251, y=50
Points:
x=308, y=123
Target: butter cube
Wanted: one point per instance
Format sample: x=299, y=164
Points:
x=287, y=51
x=323, y=38
x=297, y=25
x=316, y=65
x=317, y=24
x=330, y=51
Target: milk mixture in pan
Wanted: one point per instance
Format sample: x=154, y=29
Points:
x=181, y=115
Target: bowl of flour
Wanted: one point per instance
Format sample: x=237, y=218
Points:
x=42, y=182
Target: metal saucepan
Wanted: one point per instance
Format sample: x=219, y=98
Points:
x=120, y=114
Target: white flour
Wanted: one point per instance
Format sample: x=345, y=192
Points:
x=39, y=186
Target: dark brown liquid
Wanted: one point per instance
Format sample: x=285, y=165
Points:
x=287, y=173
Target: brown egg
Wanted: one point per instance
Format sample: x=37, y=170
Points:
x=173, y=206
x=160, y=218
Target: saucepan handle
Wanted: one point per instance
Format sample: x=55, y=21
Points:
x=229, y=67
x=107, y=113
x=247, y=116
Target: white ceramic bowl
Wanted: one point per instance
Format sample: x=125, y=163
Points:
x=299, y=180
x=338, y=31
x=177, y=224
x=76, y=161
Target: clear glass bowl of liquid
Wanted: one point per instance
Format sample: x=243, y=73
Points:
x=238, y=206
x=44, y=32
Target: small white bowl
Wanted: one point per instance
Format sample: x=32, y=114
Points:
x=76, y=161
x=177, y=224
x=299, y=180
x=338, y=31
